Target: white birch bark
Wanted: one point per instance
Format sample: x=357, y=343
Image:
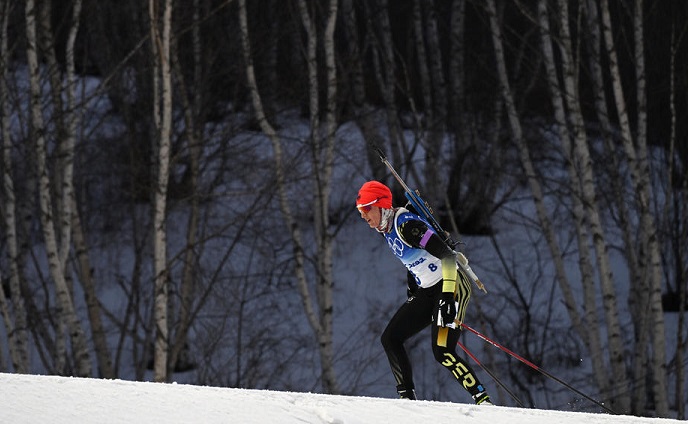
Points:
x=17, y=332
x=320, y=318
x=46, y=44
x=649, y=230
x=192, y=110
x=529, y=168
x=582, y=157
x=580, y=168
x=160, y=39
x=323, y=162
x=280, y=183
x=69, y=204
x=591, y=337
x=322, y=145
x=71, y=118
x=636, y=155
x=67, y=313
x=638, y=293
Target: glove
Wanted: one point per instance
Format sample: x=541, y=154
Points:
x=446, y=311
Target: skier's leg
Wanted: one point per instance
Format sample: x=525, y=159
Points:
x=444, y=340
x=410, y=318
x=444, y=350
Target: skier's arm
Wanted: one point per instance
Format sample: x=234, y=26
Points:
x=417, y=234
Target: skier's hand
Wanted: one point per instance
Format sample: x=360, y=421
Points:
x=446, y=311
x=412, y=285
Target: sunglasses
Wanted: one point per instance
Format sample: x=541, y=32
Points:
x=367, y=207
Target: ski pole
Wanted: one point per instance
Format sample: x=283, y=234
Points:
x=487, y=370
x=536, y=368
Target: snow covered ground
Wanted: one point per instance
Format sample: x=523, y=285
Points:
x=58, y=400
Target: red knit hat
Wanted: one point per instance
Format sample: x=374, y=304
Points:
x=374, y=193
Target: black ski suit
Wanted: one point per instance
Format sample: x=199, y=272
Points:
x=419, y=311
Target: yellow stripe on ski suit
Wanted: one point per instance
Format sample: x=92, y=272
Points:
x=463, y=295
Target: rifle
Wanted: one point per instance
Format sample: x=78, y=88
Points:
x=424, y=210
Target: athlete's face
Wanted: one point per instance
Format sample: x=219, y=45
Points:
x=371, y=215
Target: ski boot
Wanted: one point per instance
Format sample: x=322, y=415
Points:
x=482, y=398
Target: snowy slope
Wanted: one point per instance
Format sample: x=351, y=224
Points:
x=58, y=400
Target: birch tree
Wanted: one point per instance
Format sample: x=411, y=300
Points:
x=15, y=323
x=73, y=229
x=470, y=196
x=579, y=324
x=68, y=123
x=570, y=131
x=192, y=102
x=636, y=155
x=160, y=31
x=319, y=311
x=322, y=140
x=57, y=250
x=586, y=213
x=363, y=110
x=593, y=44
x=385, y=69
x=646, y=268
x=433, y=86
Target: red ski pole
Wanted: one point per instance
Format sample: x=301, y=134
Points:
x=536, y=368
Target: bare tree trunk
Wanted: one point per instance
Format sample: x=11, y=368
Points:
x=55, y=256
x=424, y=116
x=459, y=122
x=385, y=72
x=584, y=176
x=434, y=88
x=636, y=155
x=162, y=112
x=363, y=110
x=322, y=147
x=591, y=336
x=638, y=293
x=529, y=168
x=681, y=270
x=582, y=158
x=46, y=45
x=18, y=338
x=69, y=198
x=102, y=350
x=648, y=229
x=324, y=163
x=192, y=113
x=320, y=320
x=468, y=195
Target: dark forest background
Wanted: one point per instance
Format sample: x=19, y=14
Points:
x=173, y=169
